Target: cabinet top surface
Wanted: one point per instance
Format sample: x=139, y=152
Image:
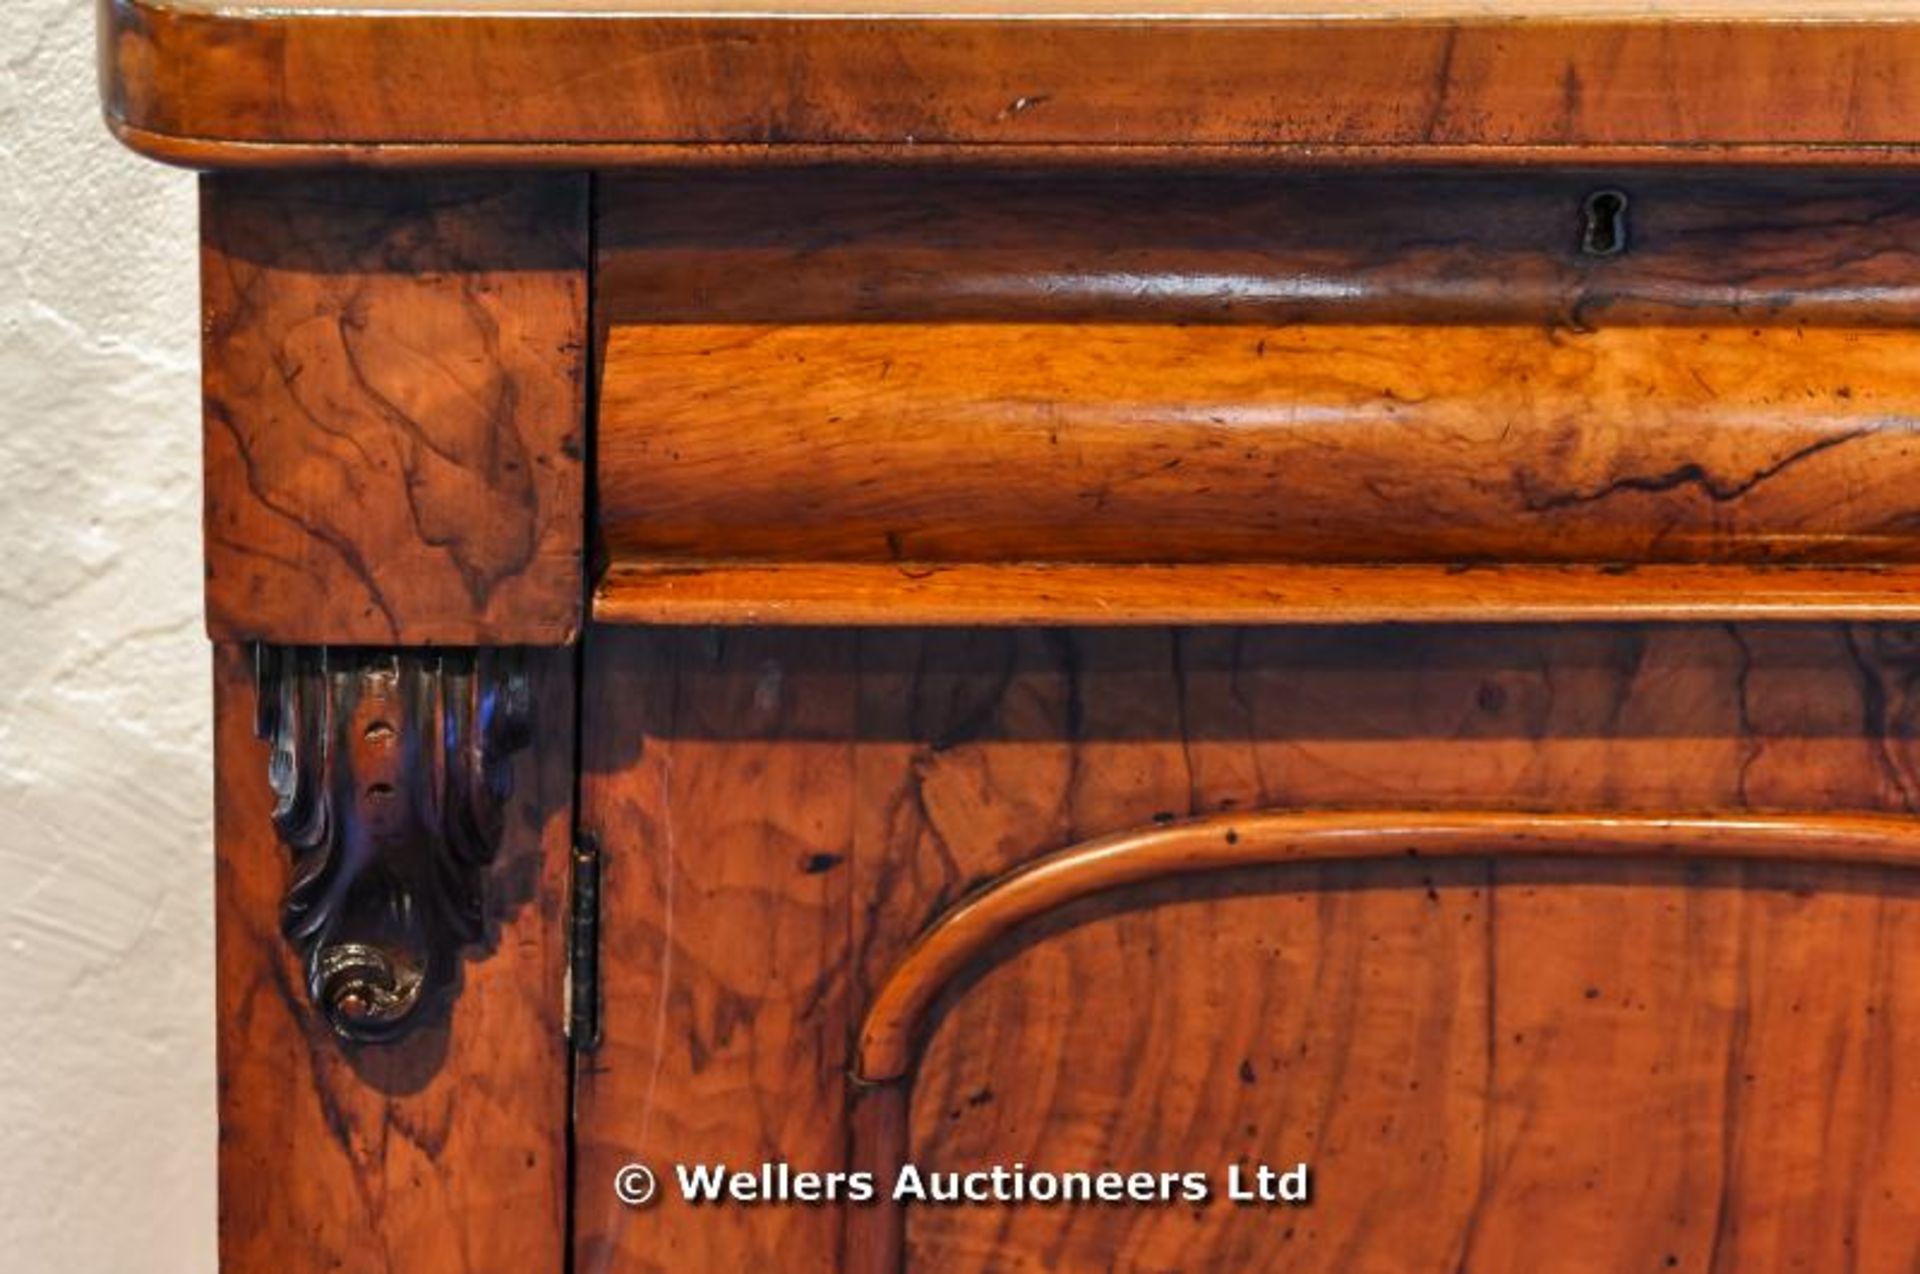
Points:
x=1389, y=11
x=594, y=83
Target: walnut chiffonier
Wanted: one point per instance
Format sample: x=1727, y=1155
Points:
x=1305, y=598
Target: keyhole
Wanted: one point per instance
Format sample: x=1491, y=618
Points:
x=1603, y=224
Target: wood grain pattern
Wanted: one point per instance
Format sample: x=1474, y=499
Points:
x=1632, y=1072
x=444, y=1152
x=1495, y=1069
x=1120, y=442
x=725, y=951
x=1031, y=594
x=857, y=245
x=1575, y=1066
x=394, y=380
x=866, y=397
x=959, y=938
x=235, y=86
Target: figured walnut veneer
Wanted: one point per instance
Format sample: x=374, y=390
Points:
x=1536, y=1019
x=857, y=396
x=1124, y=443
x=967, y=933
x=444, y=1148
x=574, y=85
x=395, y=389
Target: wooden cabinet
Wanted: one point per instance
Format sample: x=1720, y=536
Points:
x=947, y=641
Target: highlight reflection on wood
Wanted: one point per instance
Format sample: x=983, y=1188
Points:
x=962, y=935
x=1120, y=442
x=1032, y=594
x=637, y=81
x=1248, y=245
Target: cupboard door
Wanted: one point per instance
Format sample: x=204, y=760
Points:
x=1543, y=949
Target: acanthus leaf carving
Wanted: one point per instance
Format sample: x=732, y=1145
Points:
x=391, y=771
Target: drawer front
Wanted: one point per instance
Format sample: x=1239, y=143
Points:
x=1229, y=443
x=1605, y=368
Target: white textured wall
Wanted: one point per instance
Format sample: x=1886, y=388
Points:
x=106, y=997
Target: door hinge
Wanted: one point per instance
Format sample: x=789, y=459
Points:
x=583, y=947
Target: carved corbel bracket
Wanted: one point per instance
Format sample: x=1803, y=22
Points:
x=391, y=770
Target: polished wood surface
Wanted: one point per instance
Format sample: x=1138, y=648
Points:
x=854, y=396
x=891, y=595
x=1135, y=442
x=877, y=245
x=725, y=957
x=1222, y=842
x=388, y=890
x=394, y=395
x=445, y=1151
x=1638, y=1070
x=604, y=84
x=1584, y=1063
